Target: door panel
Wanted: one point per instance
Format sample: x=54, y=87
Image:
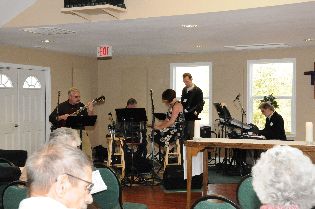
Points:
x=22, y=110
x=32, y=109
x=8, y=111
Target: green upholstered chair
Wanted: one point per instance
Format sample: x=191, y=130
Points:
x=214, y=202
x=8, y=173
x=13, y=194
x=111, y=198
x=246, y=196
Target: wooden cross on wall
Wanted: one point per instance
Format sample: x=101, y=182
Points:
x=312, y=73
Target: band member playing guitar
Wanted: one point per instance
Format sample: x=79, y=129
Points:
x=59, y=116
x=73, y=107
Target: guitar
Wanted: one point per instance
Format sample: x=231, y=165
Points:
x=94, y=102
x=62, y=123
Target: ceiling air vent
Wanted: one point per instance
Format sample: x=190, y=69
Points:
x=48, y=31
x=258, y=46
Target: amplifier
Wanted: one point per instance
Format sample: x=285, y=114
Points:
x=205, y=132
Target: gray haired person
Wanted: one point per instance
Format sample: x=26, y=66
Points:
x=65, y=135
x=284, y=178
x=59, y=177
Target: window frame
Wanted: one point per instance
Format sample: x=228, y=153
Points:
x=9, y=79
x=293, y=97
x=33, y=88
x=194, y=64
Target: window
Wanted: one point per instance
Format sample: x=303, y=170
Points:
x=275, y=77
x=31, y=82
x=201, y=73
x=5, y=81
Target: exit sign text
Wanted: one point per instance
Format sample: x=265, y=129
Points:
x=104, y=51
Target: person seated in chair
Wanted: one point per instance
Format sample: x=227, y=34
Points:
x=173, y=126
x=65, y=135
x=274, y=127
x=284, y=178
x=59, y=177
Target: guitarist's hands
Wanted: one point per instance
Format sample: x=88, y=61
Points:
x=90, y=108
x=63, y=117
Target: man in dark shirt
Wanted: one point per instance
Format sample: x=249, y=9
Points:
x=274, y=127
x=192, y=101
x=60, y=114
x=72, y=106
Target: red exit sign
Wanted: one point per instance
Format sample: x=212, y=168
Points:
x=104, y=51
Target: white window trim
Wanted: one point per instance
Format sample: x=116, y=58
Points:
x=249, y=92
x=194, y=64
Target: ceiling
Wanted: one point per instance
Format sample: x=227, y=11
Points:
x=289, y=24
x=11, y=8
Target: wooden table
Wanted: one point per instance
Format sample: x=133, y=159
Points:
x=202, y=144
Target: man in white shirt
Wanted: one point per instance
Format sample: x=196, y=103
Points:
x=59, y=177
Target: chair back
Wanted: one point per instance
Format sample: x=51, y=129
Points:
x=110, y=198
x=8, y=171
x=214, y=202
x=246, y=195
x=13, y=194
x=17, y=157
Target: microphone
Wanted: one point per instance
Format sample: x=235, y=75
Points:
x=237, y=97
x=151, y=91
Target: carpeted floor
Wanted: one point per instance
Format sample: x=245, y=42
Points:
x=216, y=176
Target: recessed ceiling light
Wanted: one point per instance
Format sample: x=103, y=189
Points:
x=198, y=46
x=48, y=31
x=46, y=41
x=308, y=39
x=189, y=26
x=258, y=46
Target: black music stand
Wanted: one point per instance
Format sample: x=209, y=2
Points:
x=132, y=115
x=79, y=122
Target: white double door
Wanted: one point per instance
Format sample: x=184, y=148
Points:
x=22, y=109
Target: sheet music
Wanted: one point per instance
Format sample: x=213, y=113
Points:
x=99, y=184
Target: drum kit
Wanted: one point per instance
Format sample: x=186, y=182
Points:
x=127, y=145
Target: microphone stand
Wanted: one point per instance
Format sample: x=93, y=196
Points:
x=152, y=138
x=243, y=112
x=58, y=101
x=112, y=131
x=53, y=127
x=240, y=161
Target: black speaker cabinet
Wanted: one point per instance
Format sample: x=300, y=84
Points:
x=205, y=132
x=173, y=178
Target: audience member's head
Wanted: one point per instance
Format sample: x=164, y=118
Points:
x=284, y=177
x=131, y=103
x=60, y=172
x=65, y=135
x=266, y=108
